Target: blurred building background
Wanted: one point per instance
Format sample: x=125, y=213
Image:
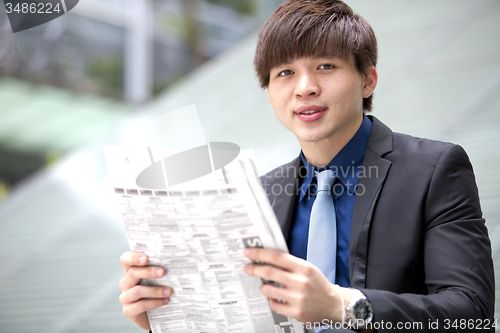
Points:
x=75, y=76
x=87, y=78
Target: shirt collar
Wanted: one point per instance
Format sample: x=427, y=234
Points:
x=347, y=164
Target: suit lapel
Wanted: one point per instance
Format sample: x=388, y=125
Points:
x=283, y=194
x=376, y=169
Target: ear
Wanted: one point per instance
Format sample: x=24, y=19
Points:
x=370, y=82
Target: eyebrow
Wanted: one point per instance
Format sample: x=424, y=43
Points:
x=282, y=64
x=316, y=57
x=326, y=57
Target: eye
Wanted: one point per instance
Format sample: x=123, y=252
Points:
x=286, y=72
x=326, y=66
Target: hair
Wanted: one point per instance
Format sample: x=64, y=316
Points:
x=315, y=28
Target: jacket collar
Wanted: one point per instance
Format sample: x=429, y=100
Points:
x=376, y=170
x=380, y=140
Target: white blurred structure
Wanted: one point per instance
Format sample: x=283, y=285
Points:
x=136, y=17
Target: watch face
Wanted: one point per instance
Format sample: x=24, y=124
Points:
x=363, y=310
x=360, y=310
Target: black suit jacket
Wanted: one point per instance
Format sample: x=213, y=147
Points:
x=419, y=248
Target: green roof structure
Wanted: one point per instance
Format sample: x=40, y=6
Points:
x=53, y=120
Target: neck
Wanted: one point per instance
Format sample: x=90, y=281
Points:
x=320, y=153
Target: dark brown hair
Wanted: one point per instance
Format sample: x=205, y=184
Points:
x=312, y=28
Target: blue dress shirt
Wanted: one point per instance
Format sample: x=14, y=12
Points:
x=347, y=166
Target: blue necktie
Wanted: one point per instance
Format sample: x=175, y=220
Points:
x=322, y=240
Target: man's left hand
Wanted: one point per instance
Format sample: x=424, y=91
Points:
x=306, y=294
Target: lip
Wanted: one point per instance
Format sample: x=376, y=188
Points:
x=310, y=108
x=310, y=117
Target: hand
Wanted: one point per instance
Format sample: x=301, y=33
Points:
x=133, y=295
x=308, y=295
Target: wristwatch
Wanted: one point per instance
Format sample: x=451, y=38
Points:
x=359, y=311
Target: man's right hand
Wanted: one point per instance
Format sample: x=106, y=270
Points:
x=136, y=299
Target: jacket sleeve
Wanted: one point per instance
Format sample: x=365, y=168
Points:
x=457, y=259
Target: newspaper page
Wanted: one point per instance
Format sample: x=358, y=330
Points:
x=197, y=231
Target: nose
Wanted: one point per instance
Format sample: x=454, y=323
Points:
x=307, y=85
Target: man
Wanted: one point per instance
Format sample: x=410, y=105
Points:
x=408, y=248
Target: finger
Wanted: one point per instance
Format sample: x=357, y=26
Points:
x=274, y=257
x=135, y=309
x=291, y=297
x=280, y=307
x=269, y=272
x=130, y=258
x=135, y=274
x=281, y=294
x=136, y=293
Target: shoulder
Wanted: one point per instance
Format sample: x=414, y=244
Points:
x=434, y=177
x=410, y=151
x=422, y=152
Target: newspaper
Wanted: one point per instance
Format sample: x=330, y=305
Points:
x=197, y=231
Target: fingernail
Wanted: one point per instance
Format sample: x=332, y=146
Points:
x=142, y=260
x=167, y=291
x=166, y=300
x=245, y=269
x=159, y=272
x=247, y=252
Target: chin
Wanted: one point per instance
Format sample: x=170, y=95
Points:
x=310, y=138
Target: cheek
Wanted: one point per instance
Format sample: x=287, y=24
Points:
x=352, y=93
x=278, y=100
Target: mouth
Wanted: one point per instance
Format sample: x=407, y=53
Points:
x=310, y=112
x=310, y=109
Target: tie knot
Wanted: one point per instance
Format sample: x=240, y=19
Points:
x=326, y=179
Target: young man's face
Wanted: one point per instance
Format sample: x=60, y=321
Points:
x=320, y=99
